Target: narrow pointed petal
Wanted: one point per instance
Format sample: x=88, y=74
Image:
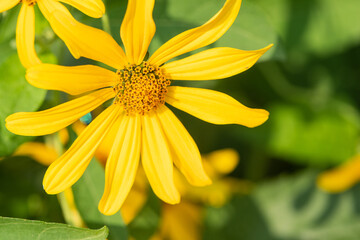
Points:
x=156, y=160
x=136, y=199
x=25, y=36
x=198, y=37
x=188, y=158
x=7, y=4
x=56, y=118
x=122, y=164
x=83, y=40
x=38, y=151
x=222, y=162
x=92, y=8
x=341, y=178
x=213, y=64
x=104, y=149
x=66, y=170
x=73, y=80
x=137, y=29
x=214, y=107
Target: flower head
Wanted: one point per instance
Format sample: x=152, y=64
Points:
x=25, y=30
x=138, y=123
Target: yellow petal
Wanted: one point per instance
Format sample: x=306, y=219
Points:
x=137, y=29
x=222, y=161
x=56, y=118
x=102, y=153
x=73, y=80
x=38, y=151
x=182, y=221
x=212, y=64
x=92, y=8
x=121, y=165
x=156, y=160
x=83, y=40
x=214, y=107
x=25, y=36
x=188, y=158
x=341, y=178
x=136, y=198
x=66, y=170
x=71, y=213
x=198, y=37
x=7, y=4
x=218, y=193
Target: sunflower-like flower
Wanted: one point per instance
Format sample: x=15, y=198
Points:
x=137, y=122
x=25, y=30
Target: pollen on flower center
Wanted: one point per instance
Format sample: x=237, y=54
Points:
x=29, y=2
x=141, y=88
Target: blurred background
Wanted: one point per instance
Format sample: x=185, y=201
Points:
x=294, y=177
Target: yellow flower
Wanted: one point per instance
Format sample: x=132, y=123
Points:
x=184, y=220
x=341, y=178
x=181, y=221
x=25, y=30
x=138, y=120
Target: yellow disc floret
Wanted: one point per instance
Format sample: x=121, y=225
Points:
x=141, y=88
x=29, y=2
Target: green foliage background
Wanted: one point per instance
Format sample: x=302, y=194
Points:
x=309, y=82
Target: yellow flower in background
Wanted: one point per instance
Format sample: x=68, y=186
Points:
x=181, y=221
x=25, y=30
x=217, y=164
x=138, y=122
x=341, y=178
x=184, y=220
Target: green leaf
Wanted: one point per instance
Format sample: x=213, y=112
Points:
x=8, y=24
x=16, y=95
x=251, y=30
x=13, y=228
x=322, y=138
x=294, y=207
x=87, y=193
x=22, y=194
x=290, y=207
x=321, y=27
x=239, y=219
x=146, y=222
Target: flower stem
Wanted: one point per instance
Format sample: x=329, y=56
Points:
x=106, y=22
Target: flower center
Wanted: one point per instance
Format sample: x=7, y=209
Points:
x=29, y=2
x=141, y=88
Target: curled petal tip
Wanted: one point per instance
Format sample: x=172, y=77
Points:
x=267, y=47
x=175, y=200
x=203, y=183
x=262, y=117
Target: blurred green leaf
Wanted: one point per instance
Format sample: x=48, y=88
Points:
x=294, y=207
x=16, y=95
x=14, y=229
x=87, y=193
x=251, y=30
x=239, y=219
x=321, y=27
x=146, y=222
x=8, y=24
x=290, y=207
x=316, y=138
x=21, y=191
